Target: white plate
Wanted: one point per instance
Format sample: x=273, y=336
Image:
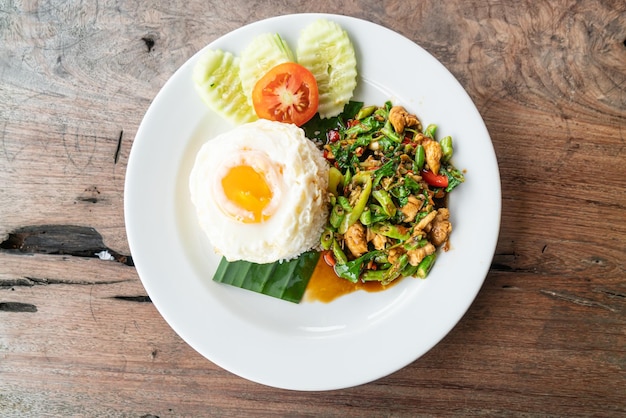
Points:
x=359, y=337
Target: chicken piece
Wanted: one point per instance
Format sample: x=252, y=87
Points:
x=411, y=208
x=418, y=254
x=356, y=240
x=394, y=254
x=433, y=152
x=370, y=163
x=426, y=220
x=441, y=227
x=400, y=119
x=378, y=240
x=419, y=138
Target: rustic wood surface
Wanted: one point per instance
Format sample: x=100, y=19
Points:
x=546, y=335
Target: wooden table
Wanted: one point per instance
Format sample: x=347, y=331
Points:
x=547, y=333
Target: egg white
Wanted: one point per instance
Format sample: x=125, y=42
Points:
x=297, y=175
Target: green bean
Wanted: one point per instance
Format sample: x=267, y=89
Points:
x=335, y=178
x=345, y=203
x=381, y=114
x=420, y=157
x=381, y=258
x=377, y=213
x=409, y=270
x=430, y=130
x=390, y=230
x=336, y=216
x=340, y=256
x=396, y=269
x=425, y=265
x=366, y=216
x=389, y=208
x=363, y=179
x=446, y=148
x=365, y=112
x=327, y=238
x=347, y=178
x=415, y=242
x=373, y=275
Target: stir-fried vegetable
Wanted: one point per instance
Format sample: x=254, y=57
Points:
x=388, y=187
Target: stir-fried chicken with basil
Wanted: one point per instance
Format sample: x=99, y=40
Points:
x=389, y=179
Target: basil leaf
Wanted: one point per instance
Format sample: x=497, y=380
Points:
x=316, y=128
x=352, y=269
x=287, y=280
x=455, y=177
x=344, y=156
x=364, y=126
x=386, y=170
x=401, y=192
x=349, y=271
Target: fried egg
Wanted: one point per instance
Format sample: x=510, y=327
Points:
x=260, y=192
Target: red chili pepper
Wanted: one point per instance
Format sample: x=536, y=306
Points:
x=329, y=259
x=436, y=180
x=333, y=135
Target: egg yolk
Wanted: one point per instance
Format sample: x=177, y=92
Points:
x=248, y=189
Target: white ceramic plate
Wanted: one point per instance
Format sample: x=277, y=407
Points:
x=359, y=337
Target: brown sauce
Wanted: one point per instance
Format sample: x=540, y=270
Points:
x=325, y=286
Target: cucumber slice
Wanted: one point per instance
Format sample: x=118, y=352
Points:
x=325, y=49
x=262, y=54
x=216, y=78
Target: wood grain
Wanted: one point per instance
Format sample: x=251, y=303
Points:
x=546, y=334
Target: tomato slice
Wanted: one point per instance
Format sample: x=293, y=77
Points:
x=287, y=93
